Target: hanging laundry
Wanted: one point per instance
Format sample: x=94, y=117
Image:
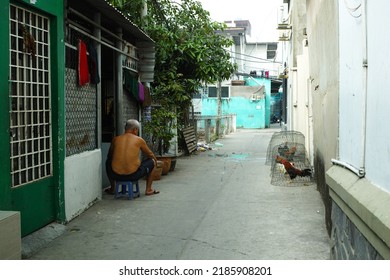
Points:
x=131, y=84
x=141, y=92
x=93, y=64
x=83, y=64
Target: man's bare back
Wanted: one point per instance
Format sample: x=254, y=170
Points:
x=125, y=153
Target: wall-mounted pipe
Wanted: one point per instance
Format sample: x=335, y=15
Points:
x=365, y=73
x=359, y=172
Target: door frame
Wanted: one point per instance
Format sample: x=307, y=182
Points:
x=42, y=201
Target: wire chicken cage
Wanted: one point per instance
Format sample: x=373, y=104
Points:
x=293, y=166
x=289, y=138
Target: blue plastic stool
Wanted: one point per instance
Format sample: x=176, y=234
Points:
x=127, y=186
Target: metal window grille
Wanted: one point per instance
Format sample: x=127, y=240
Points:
x=212, y=92
x=80, y=102
x=30, y=97
x=81, y=115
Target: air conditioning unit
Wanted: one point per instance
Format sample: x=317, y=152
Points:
x=255, y=97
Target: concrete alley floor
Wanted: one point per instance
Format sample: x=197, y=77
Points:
x=218, y=204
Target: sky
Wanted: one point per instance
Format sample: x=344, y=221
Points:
x=262, y=15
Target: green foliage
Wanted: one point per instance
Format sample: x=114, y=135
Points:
x=189, y=50
x=187, y=41
x=186, y=37
x=161, y=128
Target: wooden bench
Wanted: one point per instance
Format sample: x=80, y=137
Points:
x=190, y=139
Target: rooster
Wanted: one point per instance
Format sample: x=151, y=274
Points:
x=287, y=152
x=291, y=170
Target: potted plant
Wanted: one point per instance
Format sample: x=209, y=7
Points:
x=160, y=128
x=161, y=132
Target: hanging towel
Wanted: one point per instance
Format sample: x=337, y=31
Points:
x=83, y=64
x=131, y=84
x=93, y=64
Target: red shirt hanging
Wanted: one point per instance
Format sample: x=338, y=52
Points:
x=83, y=64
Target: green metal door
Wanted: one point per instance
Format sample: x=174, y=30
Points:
x=31, y=156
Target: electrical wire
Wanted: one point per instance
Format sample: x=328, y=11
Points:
x=255, y=57
x=252, y=61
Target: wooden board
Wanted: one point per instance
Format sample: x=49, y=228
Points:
x=190, y=138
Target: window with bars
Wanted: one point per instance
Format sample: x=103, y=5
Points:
x=271, y=50
x=30, y=97
x=212, y=92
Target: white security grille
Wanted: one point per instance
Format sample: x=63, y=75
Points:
x=30, y=102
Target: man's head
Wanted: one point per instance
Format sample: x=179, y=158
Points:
x=132, y=125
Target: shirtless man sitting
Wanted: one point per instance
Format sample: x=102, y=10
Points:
x=123, y=161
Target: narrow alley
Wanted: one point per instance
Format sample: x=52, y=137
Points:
x=217, y=204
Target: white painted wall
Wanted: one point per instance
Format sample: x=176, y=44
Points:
x=378, y=101
x=322, y=31
x=352, y=91
x=197, y=104
x=297, y=58
x=253, y=51
x=337, y=41
x=301, y=101
x=83, y=182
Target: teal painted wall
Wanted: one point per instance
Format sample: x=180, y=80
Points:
x=250, y=114
x=255, y=81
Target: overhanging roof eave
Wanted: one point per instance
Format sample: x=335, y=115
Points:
x=112, y=17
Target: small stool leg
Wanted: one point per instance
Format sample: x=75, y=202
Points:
x=126, y=186
x=130, y=190
x=117, y=186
